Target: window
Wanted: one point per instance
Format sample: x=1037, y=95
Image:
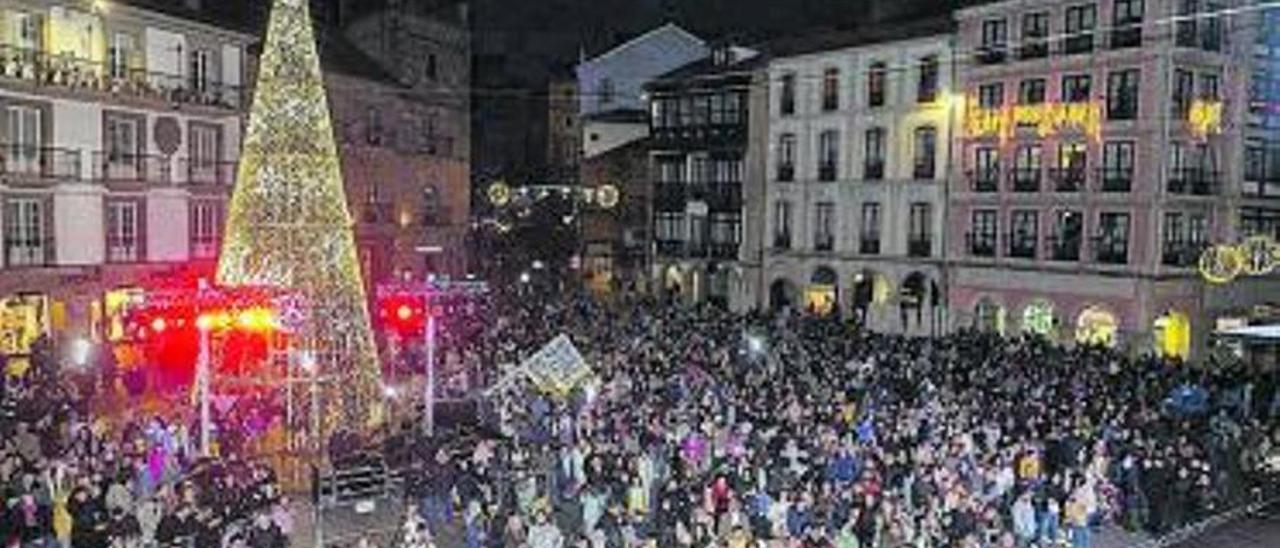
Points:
x=24, y=232
x=24, y=138
x=1031, y=92
x=120, y=55
x=828, y=151
x=927, y=89
x=782, y=224
x=732, y=106
x=717, y=109
x=1117, y=166
x=669, y=227
x=1035, y=35
x=831, y=89
x=123, y=143
x=1209, y=87
x=1025, y=235
x=991, y=96
x=1187, y=23
x=1113, y=238
x=431, y=66
x=787, y=99
x=1027, y=169
x=122, y=232
x=1073, y=165
x=204, y=152
x=925, y=153
x=373, y=126
x=986, y=169
x=605, y=92
x=1076, y=88
x=1184, y=83
x=1126, y=16
x=200, y=69
x=824, y=235
x=877, y=80
x=1174, y=250
x=870, y=243
x=26, y=28
x=1122, y=95
x=1068, y=232
x=670, y=169
x=982, y=234
x=1211, y=38
x=726, y=229
x=995, y=37
x=787, y=157
x=873, y=169
x=1080, y=23
x=698, y=235
x=919, y=230
x=1256, y=221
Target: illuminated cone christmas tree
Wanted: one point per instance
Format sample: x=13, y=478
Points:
x=289, y=226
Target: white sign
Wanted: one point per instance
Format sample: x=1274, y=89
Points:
x=558, y=367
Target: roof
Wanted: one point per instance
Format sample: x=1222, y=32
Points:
x=707, y=68
x=881, y=33
x=669, y=27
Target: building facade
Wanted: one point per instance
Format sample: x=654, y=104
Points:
x=1101, y=152
x=399, y=80
x=857, y=158
x=121, y=128
x=698, y=153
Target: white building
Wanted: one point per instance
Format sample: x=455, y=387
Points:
x=857, y=157
x=119, y=131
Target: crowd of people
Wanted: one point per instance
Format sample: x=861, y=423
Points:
x=704, y=428
x=79, y=467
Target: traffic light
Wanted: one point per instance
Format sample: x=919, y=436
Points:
x=403, y=314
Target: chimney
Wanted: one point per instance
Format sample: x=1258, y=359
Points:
x=722, y=54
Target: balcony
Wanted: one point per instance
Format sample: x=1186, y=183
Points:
x=1034, y=47
x=1081, y=42
x=869, y=245
x=782, y=240
x=724, y=197
x=875, y=98
x=824, y=243
x=1025, y=179
x=1068, y=179
x=1181, y=254
x=669, y=196
x=123, y=253
x=1064, y=248
x=786, y=173
x=827, y=172
x=992, y=54
x=873, y=170
x=203, y=172
x=39, y=165
x=1128, y=34
x=1112, y=179
x=1110, y=250
x=724, y=251
x=204, y=248
x=980, y=245
x=924, y=171
x=1194, y=181
x=919, y=246
x=984, y=180
x=1021, y=246
x=670, y=248
x=131, y=168
x=74, y=74
x=27, y=252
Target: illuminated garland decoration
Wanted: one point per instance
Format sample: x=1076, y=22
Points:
x=1256, y=256
x=1205, y=117
x=288, y=224
x=1046, y=118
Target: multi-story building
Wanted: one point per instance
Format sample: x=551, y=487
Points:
x=698, y=153
x=857, y=154
x=399, y=80
x=121, y=126
x=1101, y=151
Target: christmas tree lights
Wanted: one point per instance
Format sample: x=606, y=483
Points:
x=289, y=226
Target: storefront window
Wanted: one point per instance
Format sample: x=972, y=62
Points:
x=23, y=318
x=1097, y=326
x=989, y=317
x=118, y=303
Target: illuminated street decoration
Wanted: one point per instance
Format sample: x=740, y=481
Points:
x=607, y=196
x=1037, y=318
x=1205, y=117
x=1173, y=335
x=1046, y=118
x=1255, y=256
x=1097, y=326
x=499, y=194
x=288, y=225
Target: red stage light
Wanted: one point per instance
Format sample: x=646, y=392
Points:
x=404, y=312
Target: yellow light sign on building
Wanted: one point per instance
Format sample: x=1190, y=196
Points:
x=1205, y=117
x=1046, y=118
x=1255, y=256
